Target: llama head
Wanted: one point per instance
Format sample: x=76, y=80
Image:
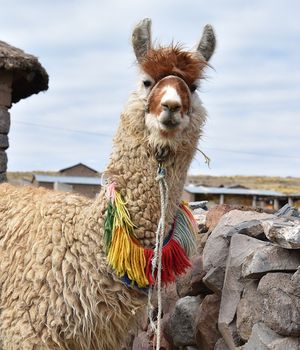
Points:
x=169, y=80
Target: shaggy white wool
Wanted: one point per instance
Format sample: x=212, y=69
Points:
x=57, y=291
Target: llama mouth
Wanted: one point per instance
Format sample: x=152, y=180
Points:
x=168, y=121
x=169, y=125
x=169, y=131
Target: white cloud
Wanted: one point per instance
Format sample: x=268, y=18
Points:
x=251, y=96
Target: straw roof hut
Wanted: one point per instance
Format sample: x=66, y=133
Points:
x=29, y=77
x=21, y=75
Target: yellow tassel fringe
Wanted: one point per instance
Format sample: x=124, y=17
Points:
x=124, y=255
x=122, y=217
x=127, y=257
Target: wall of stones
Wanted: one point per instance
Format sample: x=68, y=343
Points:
x=5, y=103
x=4, y=129
x=242, y=291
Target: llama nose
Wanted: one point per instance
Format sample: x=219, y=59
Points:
x=169, y=118
x=171, y=106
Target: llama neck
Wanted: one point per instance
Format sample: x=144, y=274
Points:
x=134, y=173
x=133, y=168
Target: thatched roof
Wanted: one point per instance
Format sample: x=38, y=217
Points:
x=29, y=77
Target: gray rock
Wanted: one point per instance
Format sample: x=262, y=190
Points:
x=215, y=214
x=169, y=298
x=241, y=246
x=200, y=216
x=197, y=205
x=191, y=282
x=204, y=234
x=3, y=161
x=217, y=246
x=263, y=338
x=270, y=258
x=180, y=328
x=221, y=345
x=3, y=177
x=288, y=210
x=252, y=228
x=3, y=141
x=284, y=231
x=4, y=120
x=249, y=310
x=141, y=342
x=214, y=279
x=287, y=343
x=296, y=280
x=281, y=303
x=207, y=332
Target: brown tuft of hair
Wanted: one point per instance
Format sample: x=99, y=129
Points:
x=172, y=60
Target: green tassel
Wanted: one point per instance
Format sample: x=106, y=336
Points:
x=108, y=225
x=183, y=233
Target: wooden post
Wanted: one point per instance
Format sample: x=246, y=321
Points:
x=276, y=204
x=5, y=103
x=290, y=201
x=254, y=202
x=222, y=200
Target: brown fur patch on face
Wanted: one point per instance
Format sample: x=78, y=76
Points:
x=161, y=62
x=154, y=102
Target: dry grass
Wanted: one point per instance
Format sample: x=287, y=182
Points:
x=280, y=184
x=15, y=176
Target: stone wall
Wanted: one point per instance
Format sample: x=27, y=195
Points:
x=243, y=290
x=4, y=129
x=5, y=103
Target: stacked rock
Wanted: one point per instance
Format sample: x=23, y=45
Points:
x=243, y=289
x=5, y=102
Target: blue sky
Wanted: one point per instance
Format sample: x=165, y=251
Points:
x=252, y=95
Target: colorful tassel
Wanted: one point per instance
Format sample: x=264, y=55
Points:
x=174, y=262
x=130, y=260
x=127, y=258
x=185, y=229
x=122, y=217
x=185, y=207
x=108, y=226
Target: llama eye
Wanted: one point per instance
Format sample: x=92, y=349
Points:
x=193, y=88
x=147, y=83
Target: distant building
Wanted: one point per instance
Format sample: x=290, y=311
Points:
x=294, y=200
x=239, y=195
x=79, y=170
x=78, y=178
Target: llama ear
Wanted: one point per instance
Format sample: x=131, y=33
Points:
x=141, y=38
x=207, y=43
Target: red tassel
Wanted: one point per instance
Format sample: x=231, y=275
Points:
x=174, y=262
x=148, y=269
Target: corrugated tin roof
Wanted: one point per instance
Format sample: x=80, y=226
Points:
x=78, y=180
x=238, y=191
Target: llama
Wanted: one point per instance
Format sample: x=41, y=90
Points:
x=61, y=277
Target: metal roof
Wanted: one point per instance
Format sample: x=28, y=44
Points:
x=238, y=191
x=78, y=180
x=76, y=165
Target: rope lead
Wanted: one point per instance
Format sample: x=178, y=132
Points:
x=157, y=257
